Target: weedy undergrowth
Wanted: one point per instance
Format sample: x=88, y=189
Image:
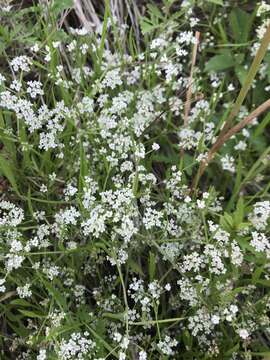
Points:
x=134, y=180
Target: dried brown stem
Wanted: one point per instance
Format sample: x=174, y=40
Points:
x=225, y=137
x=249, y=79
x=235, y=129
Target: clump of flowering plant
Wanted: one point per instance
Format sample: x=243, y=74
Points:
x=130, y=228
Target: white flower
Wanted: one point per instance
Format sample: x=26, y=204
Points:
x=263, y=8
x=14, y=261
x=34, y=88
x=67, y=216
x=35, y=48
x=142, y=355
x=155, y=146
x=43, y=188
x=167, y=287
x=42, y=355
x=2, y=79
x=2, y=286
x=10, y=215
x=78, y=346
x=260, y=242
x=260, y=215
x=243, y=333
x=16, y=85
x=21, y=63
x=227, y=163
x=215, y=319
x=166, y=346
x=24, y=291
x=200, y=204
x=241, y=145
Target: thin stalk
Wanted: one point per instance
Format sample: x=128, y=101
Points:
x=189, y=91
x=225, y=132
x=249, y=79
x=154, y=322
x=225, y=137
x=124, y=294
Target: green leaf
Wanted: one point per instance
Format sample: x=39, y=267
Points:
x=218, y=2
x=31, y=314
x=135, y=267
x=8, y=171
x=232, y=350
x=118, y=316
x=226, y=222
x=220, y=62
x=20, y=302
x=146, y=26
x=154, y=10
x=61, y=5
x=257, y=274
x=239, y=213
x=152, y=265
x=240, y=24
x=264, y=282
x=263, y=124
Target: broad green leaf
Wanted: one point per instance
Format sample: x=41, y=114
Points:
x=146, y=26
x=240, y=24
x=220, y=62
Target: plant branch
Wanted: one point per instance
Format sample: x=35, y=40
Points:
x=249, y=79
x=225, y=137
x=189, y=91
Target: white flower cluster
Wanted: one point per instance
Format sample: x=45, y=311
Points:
x=10, y=214
x=78, y=346
x=22, y=63
x=260, y=215
x=24, y=291
x=167, y=346
x=260, y=243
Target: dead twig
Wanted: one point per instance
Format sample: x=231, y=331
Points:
x=249, y=79
x=222, y=138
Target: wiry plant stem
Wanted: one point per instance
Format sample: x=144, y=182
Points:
x=222, y=139
x=189, y=91
x=225, y=133
x=249, y=79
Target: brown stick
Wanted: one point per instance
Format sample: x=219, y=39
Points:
x=189, y=91
x=222, y=138
x=249, y=78
x=235, y=129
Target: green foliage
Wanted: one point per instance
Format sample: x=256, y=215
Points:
x=125, y=167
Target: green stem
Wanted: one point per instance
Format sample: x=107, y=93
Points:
x=249, y=79
x=124, y=293
x=153, y=322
